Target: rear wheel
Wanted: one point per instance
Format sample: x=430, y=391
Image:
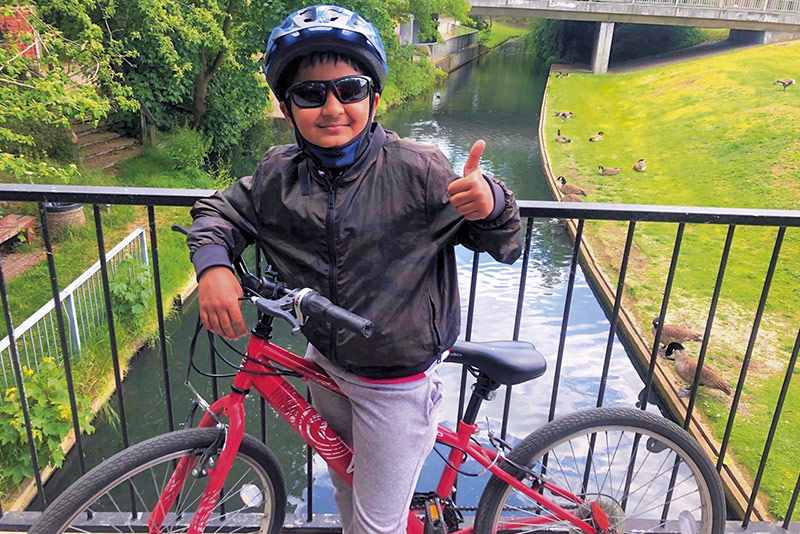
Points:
x=119, y=494
x=630, y=470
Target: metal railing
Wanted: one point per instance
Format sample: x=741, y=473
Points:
x=531, y=211
x=37, y=336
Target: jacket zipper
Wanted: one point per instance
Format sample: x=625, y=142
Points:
x=331, y=238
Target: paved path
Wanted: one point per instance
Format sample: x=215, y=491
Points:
x=677, y=56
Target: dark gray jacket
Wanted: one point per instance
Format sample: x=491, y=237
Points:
x=377, y=240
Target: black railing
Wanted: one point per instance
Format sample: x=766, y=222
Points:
x=575, y=217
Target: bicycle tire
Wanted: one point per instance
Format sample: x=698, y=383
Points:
x=562, y=447
x=105, y=489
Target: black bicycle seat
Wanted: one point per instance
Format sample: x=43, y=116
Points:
x=505, y=362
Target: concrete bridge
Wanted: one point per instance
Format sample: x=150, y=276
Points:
x=762, y=21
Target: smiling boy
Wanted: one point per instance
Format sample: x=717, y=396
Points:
x=369, y=220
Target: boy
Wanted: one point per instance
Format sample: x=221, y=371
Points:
x=370, y=221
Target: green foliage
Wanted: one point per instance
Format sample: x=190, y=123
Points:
x=186, y=149
x=555, y=40
x=51, y=420
x=408, y=78
x=131, y=289
x=41, y=97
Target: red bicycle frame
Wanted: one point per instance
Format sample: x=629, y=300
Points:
x=305, y=420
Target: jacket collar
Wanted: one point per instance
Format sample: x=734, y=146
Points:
x=362, y=163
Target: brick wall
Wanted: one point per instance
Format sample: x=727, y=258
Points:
x=18, y=23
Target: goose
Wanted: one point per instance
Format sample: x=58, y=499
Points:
x=562, y=139
x=686, y=367
x=571, y=197
x=569, y=189
x=597, y=138
x=672, y=333
x=608, y=171
x=640, y=165
x=785, y=82
x=564, y=115
x=560, y=74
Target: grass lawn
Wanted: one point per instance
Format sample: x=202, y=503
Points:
x=501, y=31
x=714, y=132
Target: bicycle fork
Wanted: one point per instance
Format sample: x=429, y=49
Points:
x=230, y=406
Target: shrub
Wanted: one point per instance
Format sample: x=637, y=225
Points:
x=187, y=149
x=131, y=290
x=51, y=420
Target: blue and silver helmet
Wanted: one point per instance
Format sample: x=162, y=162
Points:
x=325, y=28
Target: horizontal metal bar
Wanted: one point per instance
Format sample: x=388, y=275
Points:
x=656, y=213
x=154, y=196
x=528, y=208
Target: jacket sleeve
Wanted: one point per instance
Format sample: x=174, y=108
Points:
x=499, y=234
x=224, y=224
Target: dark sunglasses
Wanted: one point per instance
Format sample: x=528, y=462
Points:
x=313, y=94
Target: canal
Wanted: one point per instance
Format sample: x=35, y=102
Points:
x=496, y=98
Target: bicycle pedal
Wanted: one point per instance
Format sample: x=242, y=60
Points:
x=434, y=521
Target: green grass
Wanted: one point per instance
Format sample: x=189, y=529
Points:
x=500, y=32
x=715, y=34
x=715, y=132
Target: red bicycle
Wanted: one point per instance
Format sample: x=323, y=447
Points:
x=597, y=471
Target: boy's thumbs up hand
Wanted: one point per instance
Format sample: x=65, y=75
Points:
x=471, y=194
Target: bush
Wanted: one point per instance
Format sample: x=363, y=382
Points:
x=51, y=420
x=186, y=149
x=131, y=290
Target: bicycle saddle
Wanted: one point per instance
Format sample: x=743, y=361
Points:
x=505, y=362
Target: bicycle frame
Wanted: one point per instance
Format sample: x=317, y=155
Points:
x=304, y=419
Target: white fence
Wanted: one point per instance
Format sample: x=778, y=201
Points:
x=84, y=311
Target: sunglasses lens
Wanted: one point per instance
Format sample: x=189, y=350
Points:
x=313, y=94
x=309, y=94
x=350, y=90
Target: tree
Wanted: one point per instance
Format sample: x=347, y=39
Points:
x=73, y=80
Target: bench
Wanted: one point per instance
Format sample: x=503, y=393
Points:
x=11, y=225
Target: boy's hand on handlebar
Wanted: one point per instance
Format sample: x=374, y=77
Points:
x=471, y=194
x=220, y=308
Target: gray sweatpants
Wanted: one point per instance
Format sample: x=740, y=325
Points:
x=391, y=428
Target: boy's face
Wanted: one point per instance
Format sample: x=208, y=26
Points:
x=332, y=124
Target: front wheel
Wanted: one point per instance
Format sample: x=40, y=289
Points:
x=617, y=469
x=119, y=494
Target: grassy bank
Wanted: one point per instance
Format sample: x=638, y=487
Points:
x=714, y=132
x=501, y=31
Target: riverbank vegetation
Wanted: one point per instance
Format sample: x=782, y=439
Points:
x=567, y=41
x=714, y=132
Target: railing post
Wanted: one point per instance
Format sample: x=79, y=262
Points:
x=145, y=257
x=73, y=320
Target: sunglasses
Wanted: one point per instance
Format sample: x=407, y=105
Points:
x=313, y=94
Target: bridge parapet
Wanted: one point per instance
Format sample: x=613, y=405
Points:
x=763, y=15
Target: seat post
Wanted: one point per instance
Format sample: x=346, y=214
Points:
x=483, y=389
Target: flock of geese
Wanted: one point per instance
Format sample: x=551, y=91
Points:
x=571, y=192
x=672, y=336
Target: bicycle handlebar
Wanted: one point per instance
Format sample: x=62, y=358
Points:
x=273, y=298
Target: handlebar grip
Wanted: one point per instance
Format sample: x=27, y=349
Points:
x=315, y=304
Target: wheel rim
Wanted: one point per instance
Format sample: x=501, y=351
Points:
x=641, y=489
x=112, y=502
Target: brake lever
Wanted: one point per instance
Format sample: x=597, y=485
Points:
x=278, y=308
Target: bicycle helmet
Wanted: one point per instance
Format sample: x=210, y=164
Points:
x=330, y=29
